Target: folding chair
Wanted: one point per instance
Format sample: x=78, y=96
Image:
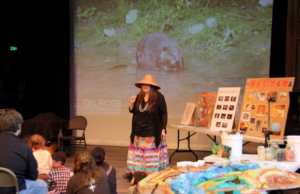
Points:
x=79, y=124
x=8, y=179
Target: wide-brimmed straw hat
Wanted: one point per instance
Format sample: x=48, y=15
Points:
x=148, y=79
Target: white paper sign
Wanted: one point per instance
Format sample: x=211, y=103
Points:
x=187, y=118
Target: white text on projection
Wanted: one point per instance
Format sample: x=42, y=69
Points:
x=93, y=106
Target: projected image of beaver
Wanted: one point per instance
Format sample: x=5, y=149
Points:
x=158, y=51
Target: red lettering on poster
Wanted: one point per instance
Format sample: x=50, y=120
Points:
x=264, y=83
x=257, y=84
x=285, y=83
x=278, y=83
x=252, y=84
x=272, y=84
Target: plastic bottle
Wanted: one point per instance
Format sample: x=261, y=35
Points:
x=289, y=153
x=269, y=154
x=275, y=146
x=280, y=155
x=261, y=152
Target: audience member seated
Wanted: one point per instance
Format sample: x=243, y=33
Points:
x=87, y=178
x=137, y=177
x=59, y=177
x=26, y=139
x=99, y=155
x=43, y=157
x=17, y=156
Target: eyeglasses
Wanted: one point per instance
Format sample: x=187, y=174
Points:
x=55, y=162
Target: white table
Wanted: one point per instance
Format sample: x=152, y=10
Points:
x=207, y=131
x=204, y=130
x=290, y=166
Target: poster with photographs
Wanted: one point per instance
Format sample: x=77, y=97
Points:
x=265, y=98
x=225, y=108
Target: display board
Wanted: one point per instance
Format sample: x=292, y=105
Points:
x=225, y=108
x=264, y=96
x=188, y=117
x=208, y=101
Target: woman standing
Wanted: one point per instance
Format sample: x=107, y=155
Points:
x=87, y=178
x=148, y=148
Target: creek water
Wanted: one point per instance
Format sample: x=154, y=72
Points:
x=100, y=77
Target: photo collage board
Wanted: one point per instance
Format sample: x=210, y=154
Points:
x=225, y=108
x=262, y=94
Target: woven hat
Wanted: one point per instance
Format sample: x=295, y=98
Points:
x=148, y=79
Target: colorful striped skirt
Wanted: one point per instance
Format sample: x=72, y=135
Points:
x=143, y=155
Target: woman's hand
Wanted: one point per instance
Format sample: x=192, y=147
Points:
x=132, y=99
x=163, y=134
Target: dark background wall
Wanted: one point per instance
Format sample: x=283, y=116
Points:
x=36, y=79
x=278, y=39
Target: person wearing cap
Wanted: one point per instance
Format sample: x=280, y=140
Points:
x=148, y=145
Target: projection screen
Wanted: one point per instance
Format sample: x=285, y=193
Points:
x=189, y=47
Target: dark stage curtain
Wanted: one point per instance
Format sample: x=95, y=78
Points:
x=35, y=78
x=278, y=37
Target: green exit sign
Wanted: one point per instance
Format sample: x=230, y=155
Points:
x=13, y=48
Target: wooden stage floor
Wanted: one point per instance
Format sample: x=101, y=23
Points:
x=116, y=156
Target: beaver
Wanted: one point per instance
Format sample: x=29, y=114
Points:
x=158, y=51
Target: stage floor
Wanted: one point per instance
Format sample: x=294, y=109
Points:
x=116, y=156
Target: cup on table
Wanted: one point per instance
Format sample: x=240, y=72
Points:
x=269, y=154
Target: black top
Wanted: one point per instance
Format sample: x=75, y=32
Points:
x=144, y=121
x=160, y=119
x=100, y=186
x=111, y=177
x=17, y=156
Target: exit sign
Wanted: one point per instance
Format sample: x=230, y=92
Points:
x=13, y=48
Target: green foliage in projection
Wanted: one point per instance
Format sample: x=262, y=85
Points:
x=237, y=25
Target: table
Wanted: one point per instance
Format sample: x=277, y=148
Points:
x=290, y=166
x=209, y=133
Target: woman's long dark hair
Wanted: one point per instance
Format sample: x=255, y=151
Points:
x=84, y=162
x=152, y=97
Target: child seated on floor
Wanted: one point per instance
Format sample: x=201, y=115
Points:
x=42, y=157
x=99, y=155
x=59, y=177
x=137, y=177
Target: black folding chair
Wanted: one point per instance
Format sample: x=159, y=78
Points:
x=76, y=140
